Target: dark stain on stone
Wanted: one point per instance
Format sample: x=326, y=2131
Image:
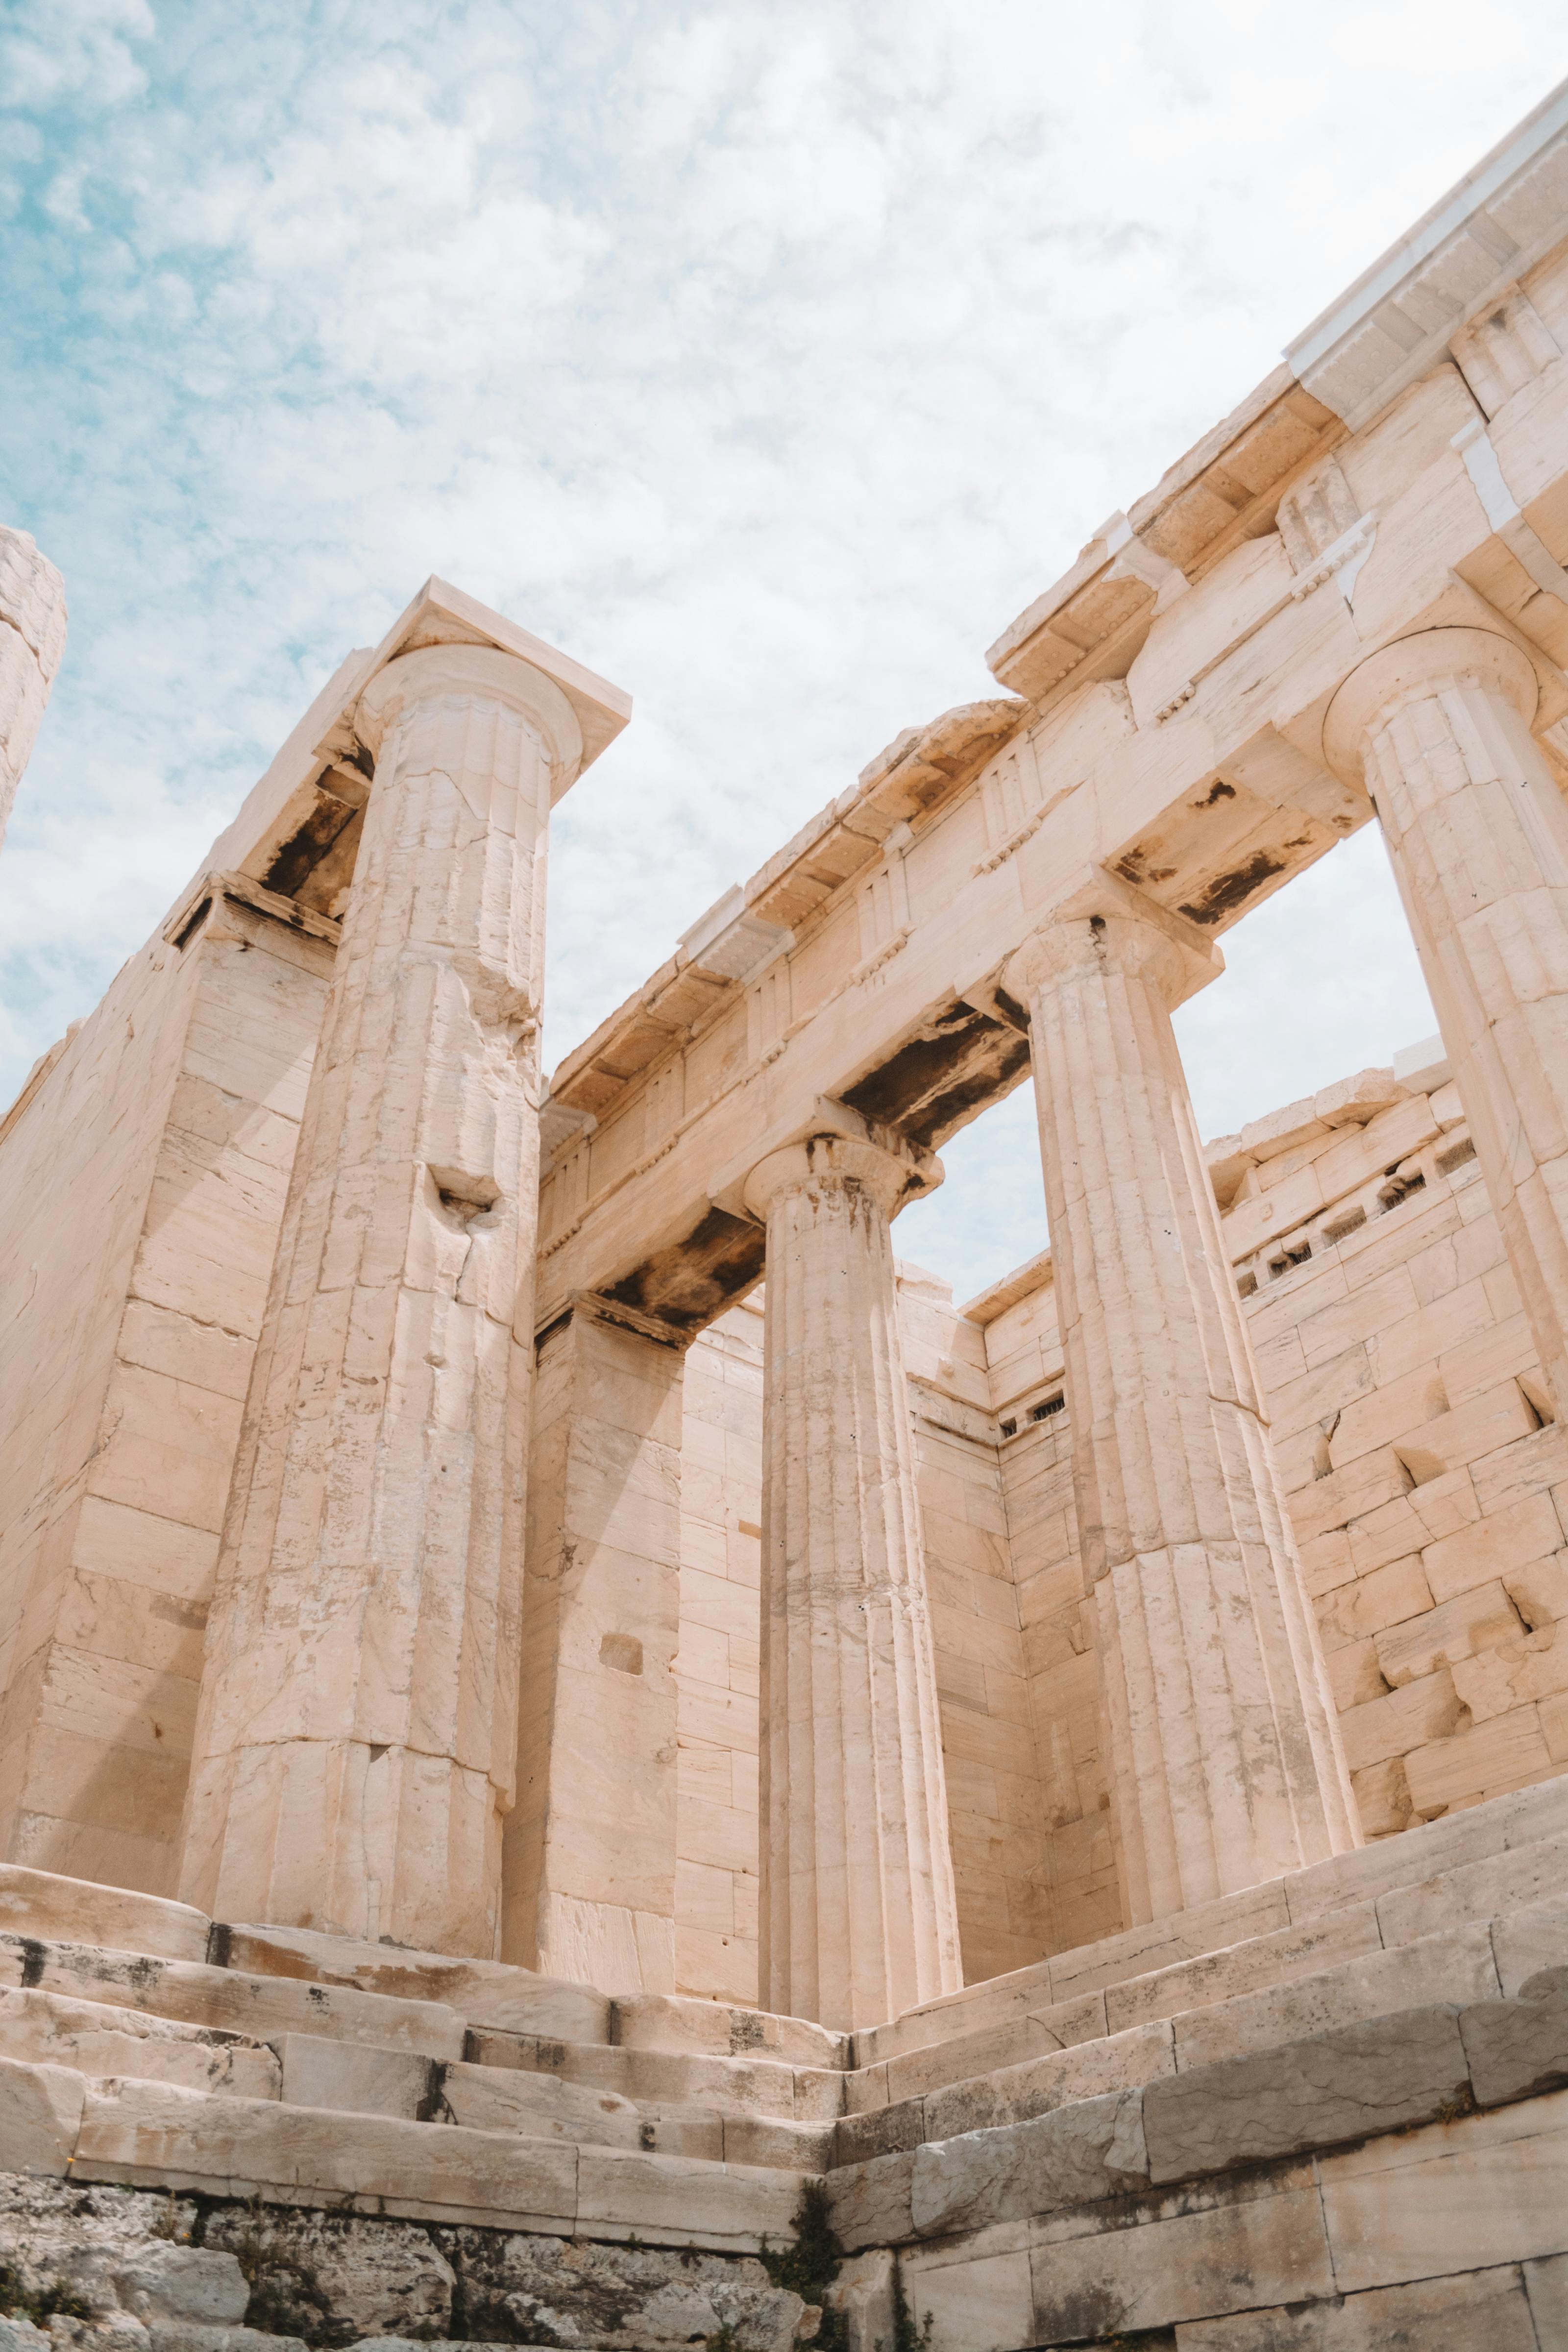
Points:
x=1229, y=891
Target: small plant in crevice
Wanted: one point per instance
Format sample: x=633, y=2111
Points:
x=40, y=2304
x=907, y=2336
x=808, y=2265
x=723, y=2339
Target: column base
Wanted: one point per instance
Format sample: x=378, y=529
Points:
x=414, y=1843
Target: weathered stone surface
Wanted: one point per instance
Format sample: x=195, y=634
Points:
x=47, y=2029
x=981, y=2303
x=1517, y=2049
x=1186, y=1546
x=349, y=2076
x=75, y=1911
x=222, y=1998
x=1489, y=2187
x=870, y=2204
x=1453, y=1968
x=148, y=2134
x=863, y=2293
x=332, y=2274
x=336, y=2278
x=542, y=2106
x=174, y=2282
x=1529, y=1941
x=859, y=1914
x=620, y=2298
x=482, y=1992
x=1116, y=2062
x=352, y=1759
x=1444, y=2314
x=1379, y=2076
x=1072, y=2156
x=40, y=2116
x=1546, y=2284
x=1189, y=2257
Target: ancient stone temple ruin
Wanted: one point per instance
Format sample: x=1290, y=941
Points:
x=585, y=1759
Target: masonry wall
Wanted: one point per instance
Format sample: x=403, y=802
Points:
x=1428, y=1487
x=717, y=1660
x=141, y=1186
x=1079, y=1895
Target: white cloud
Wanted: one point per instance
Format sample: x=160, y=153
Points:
x=769, y=357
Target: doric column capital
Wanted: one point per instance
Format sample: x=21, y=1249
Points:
x=838, y=1163
x=1106, y=927
x=477, y=673
x=1415, y=666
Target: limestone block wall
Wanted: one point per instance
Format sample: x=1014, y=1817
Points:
x=988, y=1742
x=1079, y=1897
x=1414, y=1433
x=716, y=1665
x=142, y=1172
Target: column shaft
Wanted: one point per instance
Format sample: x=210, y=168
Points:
x=590, y=1849
x=1225, y=1763
x=356, y=1736
x=1477, y=832
x=859, y=1914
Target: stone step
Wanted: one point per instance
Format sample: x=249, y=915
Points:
x=1411, y=1882
x=711, y=2029
x=1486, y=1960
x=513, y=2000
x=493, y=2098
x=1370, y=1936
x=79, y=1911
x=482, y=1992
x=155, y=2135
x=665, y=2078
x=47, y=2029
x=258, y=2007
x=1434, y=2065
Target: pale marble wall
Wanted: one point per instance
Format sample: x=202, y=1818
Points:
x=716, y=1664
x=141, y=1183
x=1079, y=1894
x=1429, y=1498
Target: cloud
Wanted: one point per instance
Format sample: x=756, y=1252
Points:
x=767, y=358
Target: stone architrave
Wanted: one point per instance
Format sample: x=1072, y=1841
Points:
x=357, y=1736
x=1439, y=727
x=1225, y=1767
x=858, y=1916
x=591, y=1845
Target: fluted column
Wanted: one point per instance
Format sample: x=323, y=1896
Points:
x=1439, y=726
x=356, y=1738
x=1225, y=1766
x=858, y=1916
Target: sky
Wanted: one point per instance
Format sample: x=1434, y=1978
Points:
x=767, y=358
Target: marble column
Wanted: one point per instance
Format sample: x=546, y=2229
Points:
x=357, y=1736
x=858, y=1916
x=590, y=1846
x=1439, y=726
x=1225, y=1763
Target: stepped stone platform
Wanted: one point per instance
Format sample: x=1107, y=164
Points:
x=1345, y=2092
